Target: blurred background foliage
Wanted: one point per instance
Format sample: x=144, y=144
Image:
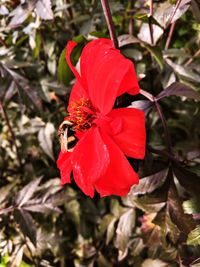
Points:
x=44, y=224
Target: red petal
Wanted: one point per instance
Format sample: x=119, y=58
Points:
x=132, y=138
x=77, y=92
x=106, y=73
x=90, y=160
x=119, y=176
x=70, y=46
x=64, y=164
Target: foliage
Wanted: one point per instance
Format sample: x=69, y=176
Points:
x=44, y=224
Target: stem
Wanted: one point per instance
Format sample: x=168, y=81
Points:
x=191, y=59
x=172, y=27
x=150, y=22
x=109, y=21
x=173, y=14
x=11, y=131
x=147, y=95
x=130, y=27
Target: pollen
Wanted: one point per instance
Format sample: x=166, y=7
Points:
x=81, y=114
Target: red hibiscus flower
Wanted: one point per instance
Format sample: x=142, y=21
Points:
x=106, y=135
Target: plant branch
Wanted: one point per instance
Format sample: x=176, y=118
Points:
x=150, y=22
x=192, y=58
x=147, y=95
x=131, y=21
x=173, y=14
x=172, y=27
x=109, y=21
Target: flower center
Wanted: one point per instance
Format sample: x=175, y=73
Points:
x=81, y=114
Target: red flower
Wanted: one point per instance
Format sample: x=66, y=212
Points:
x=105, y=135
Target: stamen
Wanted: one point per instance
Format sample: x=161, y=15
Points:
x=81, y=114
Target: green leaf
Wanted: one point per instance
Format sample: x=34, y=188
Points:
x=194, y=237
x=156, y=54
x=64, y=73
x=192, y=206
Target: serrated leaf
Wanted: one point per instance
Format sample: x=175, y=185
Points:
x=179, y=89
x=123, y=232
x=189, y=180
x=45, y=137
x=150, y=183
x=43, y=9
x=25, y=221
x=149, y=204
x=27, y=192
x=25, y=88
x=184, y=222
x=184, y=72
x=194, y=237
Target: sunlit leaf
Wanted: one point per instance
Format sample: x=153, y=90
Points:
x=194, y=237
x=45, y=137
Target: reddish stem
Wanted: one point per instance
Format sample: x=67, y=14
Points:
x=109, y=21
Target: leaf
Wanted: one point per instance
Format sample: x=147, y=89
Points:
x=5, y=192
x=27, y=192
x=144, y=105
x=16, y=259
x=145, y=36
x=149, y=204
x=150, y=183
x=25, y=88
x=194, y=237
x=20, y=14
x=124, y=231
x=156, y=54
x=41, y=207
x=185, y=72
x=166, y=225
x=189, y=180
x=45, y=137
x=154, y=263
x=127, y=39
x=110, y=230
x=43, y=9
x=178, y=89
x=192, y=206
x=25, y=221
x=184, y=222
x=64, y=73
